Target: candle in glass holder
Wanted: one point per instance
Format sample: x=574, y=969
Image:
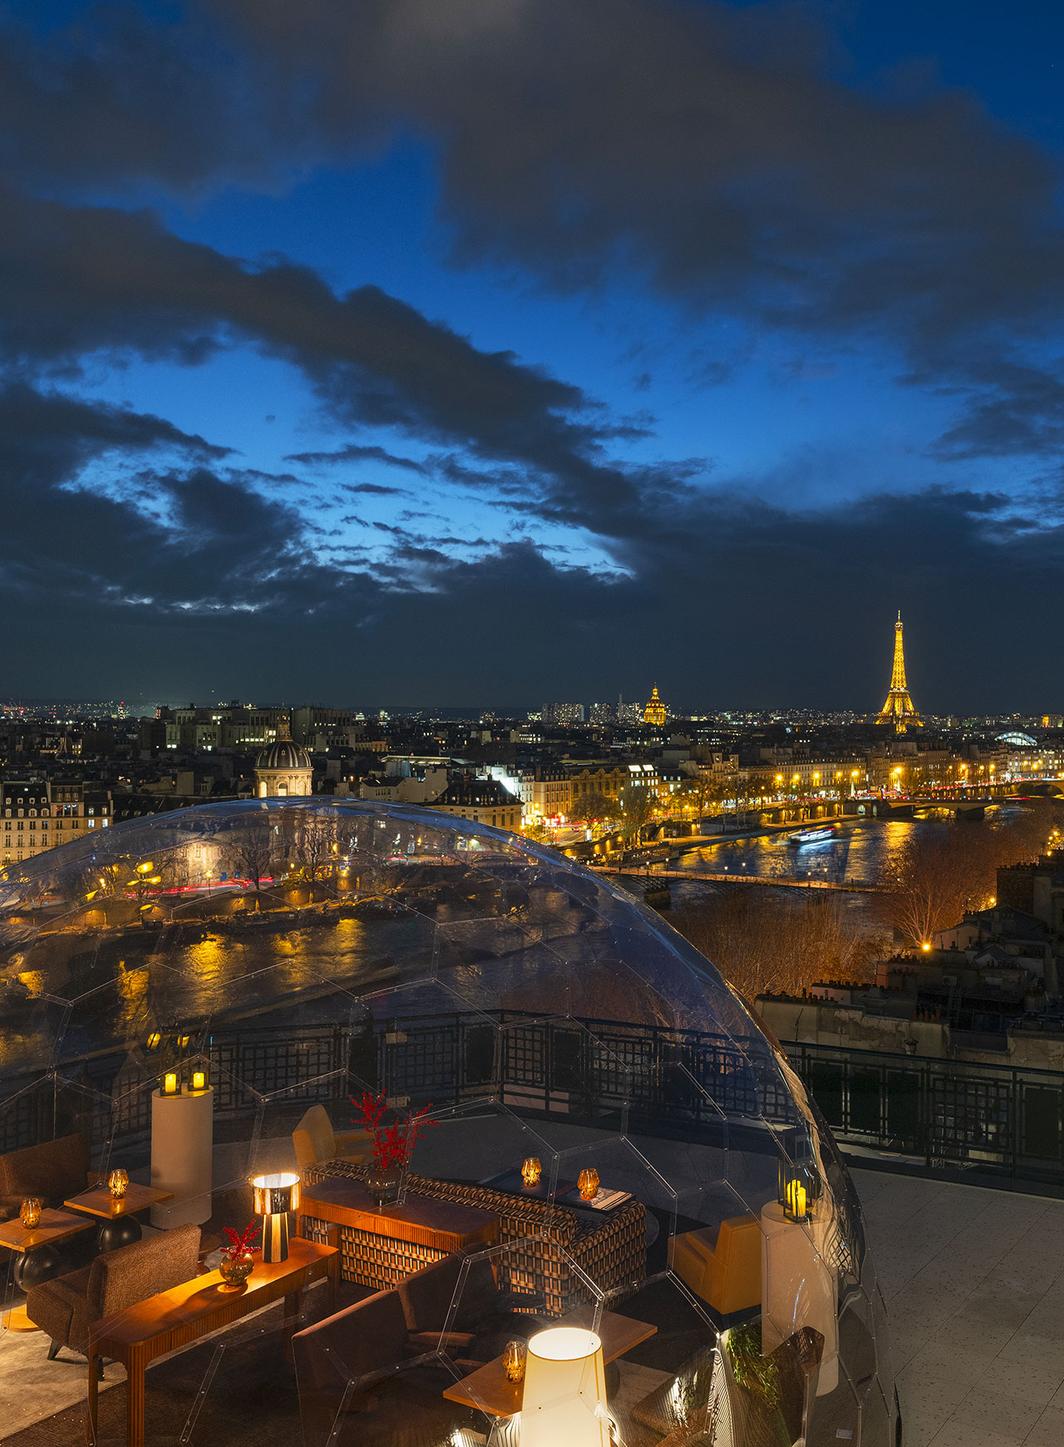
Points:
x=531, y=1170
x=795, y=1203
x=170, y=1083
x=199, y=1080
x=29, y=1213
x=513, y=1361
x=117, y=1182
x=588, y=1183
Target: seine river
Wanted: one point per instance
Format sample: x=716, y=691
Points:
x=863, y=850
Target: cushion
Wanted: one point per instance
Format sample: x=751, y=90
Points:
x=52, y=1170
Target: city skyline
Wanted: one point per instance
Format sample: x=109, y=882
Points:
x=503, y=352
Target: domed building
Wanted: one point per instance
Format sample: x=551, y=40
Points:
x=283, y=769
x=655, y=712
x=490, y=1096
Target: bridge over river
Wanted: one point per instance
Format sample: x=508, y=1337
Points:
x=768, y=881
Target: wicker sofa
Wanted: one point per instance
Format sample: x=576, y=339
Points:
x=549, y=1245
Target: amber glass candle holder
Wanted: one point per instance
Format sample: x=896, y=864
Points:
x=117, y=1182
x=531, y=1170
x=513, y=1361
x=587, y=1183
x=29, y=1213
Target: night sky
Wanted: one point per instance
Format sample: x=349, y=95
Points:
x=396, y=352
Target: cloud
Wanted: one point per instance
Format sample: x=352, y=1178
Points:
x=353, y=452
x=716, y=149
x=77, y=280
x=228, y=573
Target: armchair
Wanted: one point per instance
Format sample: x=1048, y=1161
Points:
x=314, y=1140
x=67, y=1306
x=52, y=1170
x=484, y=1318
x=726, y=1273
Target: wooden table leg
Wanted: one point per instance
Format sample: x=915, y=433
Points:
x=91, y=1406
x=332, y=1281
x=134, y=1405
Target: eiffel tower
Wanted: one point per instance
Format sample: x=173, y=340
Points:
x=899, y=708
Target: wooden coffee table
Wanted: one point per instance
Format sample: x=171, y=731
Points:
x=488, y=1389
x=36, y=1258
x=117, y=1214
x=173, y=1319
x=383, y=1245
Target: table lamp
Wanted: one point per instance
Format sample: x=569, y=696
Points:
x=274, y=1197
x=564, y=1398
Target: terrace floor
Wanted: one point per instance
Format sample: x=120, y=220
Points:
x=974, y=1289
x=975, y=1296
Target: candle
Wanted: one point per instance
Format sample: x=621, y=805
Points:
x=170, y=1083
x=796, y=1200
x=531, y=1170
x=199, y=1080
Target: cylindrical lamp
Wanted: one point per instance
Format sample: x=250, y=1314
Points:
x=564, y=1397
x=274, y=1197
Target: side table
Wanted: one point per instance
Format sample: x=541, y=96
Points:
x=36, y=1258
x=117, y=1215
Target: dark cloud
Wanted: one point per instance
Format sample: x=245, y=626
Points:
x=356, y=453
x=229, y=574
x=716, y=148
x=79, y=280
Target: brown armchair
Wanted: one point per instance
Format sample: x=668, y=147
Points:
x=67, y=1306
x=52, y=1170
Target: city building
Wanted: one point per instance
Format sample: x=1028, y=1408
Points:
x=485, y=801
x=36, y=815
x=654, y=711
x=283, y=769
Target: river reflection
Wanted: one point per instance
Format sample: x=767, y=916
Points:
x=868, y=851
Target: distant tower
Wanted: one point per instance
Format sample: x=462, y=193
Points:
x=899, y=709
x=283, y=769
x=655, y=712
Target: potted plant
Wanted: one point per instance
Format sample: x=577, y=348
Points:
x=237, y=1259
x=392, y=1144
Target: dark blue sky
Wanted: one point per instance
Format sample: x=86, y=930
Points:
x=495, y=351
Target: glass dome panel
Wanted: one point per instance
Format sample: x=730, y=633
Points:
x=309, y=955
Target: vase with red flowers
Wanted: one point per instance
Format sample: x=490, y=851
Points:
x=394, y=1137
x=237, y=1259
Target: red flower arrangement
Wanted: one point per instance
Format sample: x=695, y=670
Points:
x=241, y=1243
x=392, y=1144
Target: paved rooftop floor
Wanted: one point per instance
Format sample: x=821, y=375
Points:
x=974, y=1284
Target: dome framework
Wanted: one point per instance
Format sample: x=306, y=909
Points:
x=305, y=952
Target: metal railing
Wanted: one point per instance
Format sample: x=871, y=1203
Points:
x=1003, y=1121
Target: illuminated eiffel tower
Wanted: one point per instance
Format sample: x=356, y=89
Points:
x=899, y=708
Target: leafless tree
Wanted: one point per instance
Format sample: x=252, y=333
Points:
x=764, y=940
x=253, y=856
x=941, y=876
x=595, y=807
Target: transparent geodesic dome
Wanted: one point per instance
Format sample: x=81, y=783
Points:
x=304, y=954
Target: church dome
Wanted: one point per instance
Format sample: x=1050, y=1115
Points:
x=283, y=754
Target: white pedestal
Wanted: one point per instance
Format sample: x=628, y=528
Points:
x=798, y=1288
x=182, y=1146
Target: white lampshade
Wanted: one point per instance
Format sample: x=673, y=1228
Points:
x=564, y=1399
